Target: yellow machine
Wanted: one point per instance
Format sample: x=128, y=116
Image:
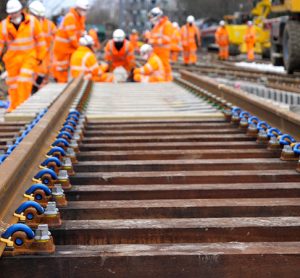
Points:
x=285, y=34
x=237, y=26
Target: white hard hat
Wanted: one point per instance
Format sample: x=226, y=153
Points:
x=222, y=23
x=156, y=12
x=190, y=19
x=119, y=35
x=13, y=6
x=250, y=23
x=86, y=40
x=133, y=31
x=37, y=8
x=83, y=4
x=146, y=49
x=175, y=25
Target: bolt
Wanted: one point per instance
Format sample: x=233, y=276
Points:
x=57, y=190
x=51, y=209
x=42, y=232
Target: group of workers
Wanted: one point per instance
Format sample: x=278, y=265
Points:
x=36, y=50
x=222, y=40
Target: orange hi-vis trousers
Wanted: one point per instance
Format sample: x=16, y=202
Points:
x=250, y=52
x=224, y=52
x=189, y=55
x=20, y=81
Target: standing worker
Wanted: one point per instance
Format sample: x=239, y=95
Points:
x=84, y=60
x=153, y=70
x=93, y=32
x=67, y=39
x=119, y=52
x=191, y=40
x=37, y=9
x=222, y=40
x=134, y=40
x=160, y=38
x=176, y=46
x=250, y=39
x=25, y=50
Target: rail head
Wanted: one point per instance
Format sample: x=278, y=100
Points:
x=286, y=121
x=18, y=169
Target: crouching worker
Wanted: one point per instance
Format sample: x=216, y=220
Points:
x=84, y=60
x=153, y=70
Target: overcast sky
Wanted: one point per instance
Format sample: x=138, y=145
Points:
x=55, y=6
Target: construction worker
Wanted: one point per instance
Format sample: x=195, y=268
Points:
x=176, y=46
x=134, y=40
x=23, y=38
x=84, y=60
x=37, y=9
x=191, y=40
x=119, y=52
x=160, y=38
x=222, y=40
x=250, y=39
x=67, y=39
x=93, y=32
x=153, y=70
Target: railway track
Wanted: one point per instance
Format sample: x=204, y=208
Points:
x=278, y=81
x=164, y=185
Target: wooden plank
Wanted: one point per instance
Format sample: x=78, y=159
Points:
x=191, y=208
x=188, y=177
x=163, y=260
x=82, y=192
x=178, y=230
x=184, y=165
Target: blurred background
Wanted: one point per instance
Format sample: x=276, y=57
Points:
x=129, y=14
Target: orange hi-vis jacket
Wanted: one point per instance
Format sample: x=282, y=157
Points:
x=134, y=40
x=222, y=36
x=84, y=60
x=160, y=39
x=70, y=30
x=190, y=36
x=161, y=36
x=176, y=40
x=25, y=49
x=250, y=37
x=49, y=29
x=152, y=71
x=66, y=42
x=27, y=41
x=123, y=58
x=94, y=35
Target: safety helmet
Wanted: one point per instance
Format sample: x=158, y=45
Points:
x=86, y=40
x=37, y=8
x=119, y=35
x=250, y=23
x=83, y=4
x=146, y=49
x=95, y=28
x=175, y=25
x=155, y=14
x=13, y=6
x=190, y=19
x=222, y=23
x=133, y=31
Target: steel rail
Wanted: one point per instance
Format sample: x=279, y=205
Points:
x=18, y=169
x=286, y=121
